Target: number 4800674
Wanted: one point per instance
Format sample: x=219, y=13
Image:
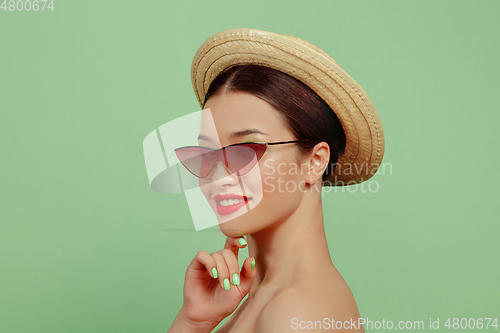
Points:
x=26, y=5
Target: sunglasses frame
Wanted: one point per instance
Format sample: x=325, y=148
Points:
x=236, y=144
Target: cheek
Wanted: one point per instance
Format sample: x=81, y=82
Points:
x=282, y=185
x=282, y=176
x=206, y=189
x=251, y=184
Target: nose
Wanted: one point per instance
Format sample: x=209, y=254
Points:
x=221, y=175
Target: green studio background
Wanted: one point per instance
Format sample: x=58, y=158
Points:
x=87, y=246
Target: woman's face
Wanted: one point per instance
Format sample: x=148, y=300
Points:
x=274, y=187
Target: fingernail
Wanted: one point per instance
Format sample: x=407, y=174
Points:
x=236, y=279
x=242, y=241
x=252, y=265
x=226, y=284
x=214, y=273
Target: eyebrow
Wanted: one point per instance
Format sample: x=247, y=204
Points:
x=235, y=135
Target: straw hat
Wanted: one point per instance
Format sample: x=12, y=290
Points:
x=315, y=68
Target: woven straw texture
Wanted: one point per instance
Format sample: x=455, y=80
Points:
x=314, y=67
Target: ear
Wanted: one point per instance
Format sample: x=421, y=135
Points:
x=318, y=162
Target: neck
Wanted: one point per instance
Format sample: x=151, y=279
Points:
x=291, y=249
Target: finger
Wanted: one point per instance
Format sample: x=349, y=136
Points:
x=222, y=269
x=235, y=244
x=247, y=275
x=202, y=262
x=232, y=265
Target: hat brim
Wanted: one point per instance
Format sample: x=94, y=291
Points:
x=306, y=62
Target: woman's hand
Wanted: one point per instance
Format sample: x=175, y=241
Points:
x=214, y=285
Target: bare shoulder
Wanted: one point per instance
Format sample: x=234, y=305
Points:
x=308, y=307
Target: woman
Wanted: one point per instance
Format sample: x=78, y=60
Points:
x=318, y=123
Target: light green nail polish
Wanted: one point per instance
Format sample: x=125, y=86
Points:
x=252, y=265
x=226, y=284
x=214, y=273
x=242, y=241
x=236, y=279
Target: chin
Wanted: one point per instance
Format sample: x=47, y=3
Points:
x=238, y=225
x=231, y=231
x=248, y=224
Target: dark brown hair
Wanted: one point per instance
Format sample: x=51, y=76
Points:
x=307, y=115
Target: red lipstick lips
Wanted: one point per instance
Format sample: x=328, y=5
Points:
x=231, y=206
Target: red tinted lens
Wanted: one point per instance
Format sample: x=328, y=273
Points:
x=199, y=161
x=241, y=158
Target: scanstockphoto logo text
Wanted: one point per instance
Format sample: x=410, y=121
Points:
x=273, y=177
x=433, y=324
